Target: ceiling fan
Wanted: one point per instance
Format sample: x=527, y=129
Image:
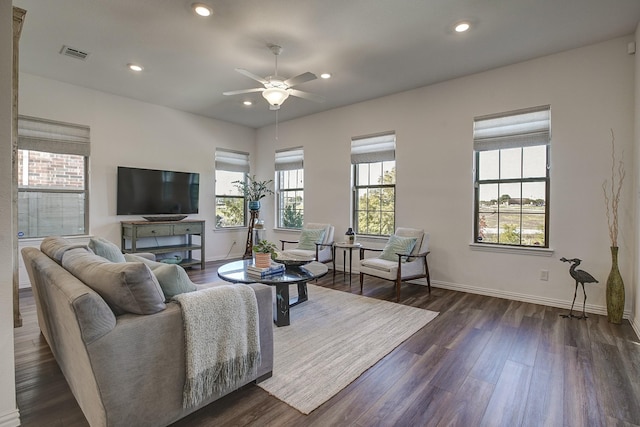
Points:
x=276, y=88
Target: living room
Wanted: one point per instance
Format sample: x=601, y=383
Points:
x=590, y=89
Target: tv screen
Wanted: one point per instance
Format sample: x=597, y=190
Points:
x=157, y=192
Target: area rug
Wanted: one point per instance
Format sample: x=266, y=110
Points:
x=333, y=338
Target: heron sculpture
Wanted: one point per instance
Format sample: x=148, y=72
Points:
x=581, y=277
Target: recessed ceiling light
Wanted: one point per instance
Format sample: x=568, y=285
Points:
x=247, y=103
x=325, y=75
x=461, y=27
x=135, y=67
x=202, y=9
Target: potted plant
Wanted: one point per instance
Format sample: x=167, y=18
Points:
x=254, y=190
x=264, y=250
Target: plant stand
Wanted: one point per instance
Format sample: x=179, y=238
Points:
x=248, y=252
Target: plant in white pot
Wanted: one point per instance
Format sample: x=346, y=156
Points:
x=264, y=251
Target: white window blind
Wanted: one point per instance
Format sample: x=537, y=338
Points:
x=289, y=159
x=374, y=148
x=523, y=128
x=53, y=137
x=232, y=161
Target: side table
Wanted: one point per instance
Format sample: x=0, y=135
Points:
x=345, y=247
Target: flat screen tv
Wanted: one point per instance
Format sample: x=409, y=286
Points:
x=157, y=192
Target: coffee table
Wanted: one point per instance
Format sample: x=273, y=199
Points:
x=236, y=272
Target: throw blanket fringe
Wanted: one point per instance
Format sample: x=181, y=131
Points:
x=222, y=340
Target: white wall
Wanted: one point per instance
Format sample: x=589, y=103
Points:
x=126, y=132
x=8, y=409
x=590, y=90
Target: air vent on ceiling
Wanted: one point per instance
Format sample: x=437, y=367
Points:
x=74, y=53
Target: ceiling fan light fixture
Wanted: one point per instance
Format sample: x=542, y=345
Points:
x=275, y=96
x=325, y=75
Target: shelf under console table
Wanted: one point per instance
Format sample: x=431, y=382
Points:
x=132, y=231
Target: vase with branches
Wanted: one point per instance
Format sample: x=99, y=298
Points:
x=615, y=285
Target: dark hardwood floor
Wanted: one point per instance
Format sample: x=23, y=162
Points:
x=482, y=361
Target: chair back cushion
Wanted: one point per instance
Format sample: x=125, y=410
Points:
x=412, y=232
x=398, y=245
x=309, y=238
x=327, y=235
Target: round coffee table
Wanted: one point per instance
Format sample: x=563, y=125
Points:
x=236, y=272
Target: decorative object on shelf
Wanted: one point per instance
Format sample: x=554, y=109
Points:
x=253, y=191
x=581, y=277
x=263, y=253
x=351, y=236
x=615, y=284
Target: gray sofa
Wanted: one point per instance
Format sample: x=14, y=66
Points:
x=124, y=369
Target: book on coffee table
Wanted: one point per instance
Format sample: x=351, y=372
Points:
x=275, y=268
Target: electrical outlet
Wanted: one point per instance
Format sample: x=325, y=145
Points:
x=544, y=275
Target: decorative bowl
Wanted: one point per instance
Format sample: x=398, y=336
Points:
x=293, y=260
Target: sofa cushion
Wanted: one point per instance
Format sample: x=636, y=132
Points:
x=397, y=245
x=128, y=287
x=172, y=278
x=55, y=246
x=106, y=249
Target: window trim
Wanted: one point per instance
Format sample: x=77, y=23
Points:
x=287, y=160
x=537, y=132
x=230, y=161
x=56, y=137
x=369, y=149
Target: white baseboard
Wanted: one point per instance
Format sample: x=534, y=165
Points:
x=551, y=302
x=635, y=324
x=10, y=419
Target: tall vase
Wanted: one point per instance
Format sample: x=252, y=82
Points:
x=615, y=290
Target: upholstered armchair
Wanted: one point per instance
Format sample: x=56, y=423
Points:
x=315, y=240
x=403, y=258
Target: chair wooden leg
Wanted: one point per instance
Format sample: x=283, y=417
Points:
x=361, y=281
x=398, y=286
x=428, y=277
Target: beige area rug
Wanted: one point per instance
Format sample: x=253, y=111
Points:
x=333, y=338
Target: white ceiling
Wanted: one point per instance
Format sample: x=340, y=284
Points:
x=372, y=47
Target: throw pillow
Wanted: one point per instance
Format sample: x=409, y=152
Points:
x=128, y=287
x=397, y=245
x=55, y=247
x=172, y=278
x=309, y=238
x=106, y=249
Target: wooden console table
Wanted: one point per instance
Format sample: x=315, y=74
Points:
x=132, y=231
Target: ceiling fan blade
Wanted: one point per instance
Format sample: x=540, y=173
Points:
x=301, y=78
x=241, y=91
x=306, y=95
x=251, y=75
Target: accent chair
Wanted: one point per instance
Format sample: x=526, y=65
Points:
x=403, y=258
x=315, y=240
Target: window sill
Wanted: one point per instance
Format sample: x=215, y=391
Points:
x=287, y=230
x=483, y=247
x=229, y=229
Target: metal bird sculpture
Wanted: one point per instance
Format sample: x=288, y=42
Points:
x=581, y=277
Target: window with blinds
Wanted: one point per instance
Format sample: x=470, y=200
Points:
x=290, y=187
x=52, y=171
x=230, y=202
x=374, y=184
x=512, y=177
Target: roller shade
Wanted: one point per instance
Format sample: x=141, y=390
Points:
x=375, y=148
x=523, y=128
x=289, y=159
x=232, y=161
x=53, y=137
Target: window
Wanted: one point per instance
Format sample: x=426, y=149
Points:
x=512, y=178
x=52, y=178
x=230, y=203
x=374, y=178
x=290, y=187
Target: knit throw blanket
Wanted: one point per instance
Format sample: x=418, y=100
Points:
x=222, y=339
